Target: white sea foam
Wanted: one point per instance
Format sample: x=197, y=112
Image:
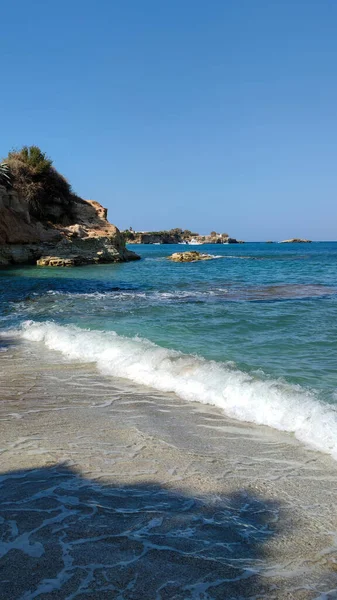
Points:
x=240, y=395
x=232, y=292
x=125, y=295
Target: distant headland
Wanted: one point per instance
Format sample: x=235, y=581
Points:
x=185, y=236
x=177, y=236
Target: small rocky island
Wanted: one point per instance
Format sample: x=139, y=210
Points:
x=191, y=256
x=296, y=241
x=42, y=221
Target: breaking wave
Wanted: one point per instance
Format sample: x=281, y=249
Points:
x=240, y=395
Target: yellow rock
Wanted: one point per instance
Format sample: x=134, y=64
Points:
x=191, y=256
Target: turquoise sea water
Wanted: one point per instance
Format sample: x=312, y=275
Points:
x=255, y=329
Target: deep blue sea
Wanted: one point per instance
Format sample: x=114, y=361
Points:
x=253, y=331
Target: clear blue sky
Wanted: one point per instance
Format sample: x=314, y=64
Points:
x=218, y=114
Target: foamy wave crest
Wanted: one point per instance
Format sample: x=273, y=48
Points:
x=240, y=395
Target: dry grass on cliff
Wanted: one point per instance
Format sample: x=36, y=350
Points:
x=35, y=179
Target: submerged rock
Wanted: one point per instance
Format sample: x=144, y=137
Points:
x=191, y=256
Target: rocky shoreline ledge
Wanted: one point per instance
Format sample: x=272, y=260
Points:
x=43, y=222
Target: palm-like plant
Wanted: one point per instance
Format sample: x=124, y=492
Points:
x=5, y=175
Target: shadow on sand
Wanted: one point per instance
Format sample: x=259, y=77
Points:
x=65, y=536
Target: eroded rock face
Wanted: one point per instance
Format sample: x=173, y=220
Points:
x=191, y=256
x=88, y=239
x=56, y=261
x=16, y=225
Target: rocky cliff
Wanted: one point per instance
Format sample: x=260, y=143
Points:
x=79, y=235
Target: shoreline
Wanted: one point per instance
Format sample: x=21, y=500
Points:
x=118, y=481
x=239, y=395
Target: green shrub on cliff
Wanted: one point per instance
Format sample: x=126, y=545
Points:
x=35, y=179
x=33, y=158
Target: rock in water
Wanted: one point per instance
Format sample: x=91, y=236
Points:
x=296, y=241
x=191, y=256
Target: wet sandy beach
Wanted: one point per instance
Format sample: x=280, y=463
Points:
x=114, y=491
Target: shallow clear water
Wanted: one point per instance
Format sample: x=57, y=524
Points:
x=264, y=316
